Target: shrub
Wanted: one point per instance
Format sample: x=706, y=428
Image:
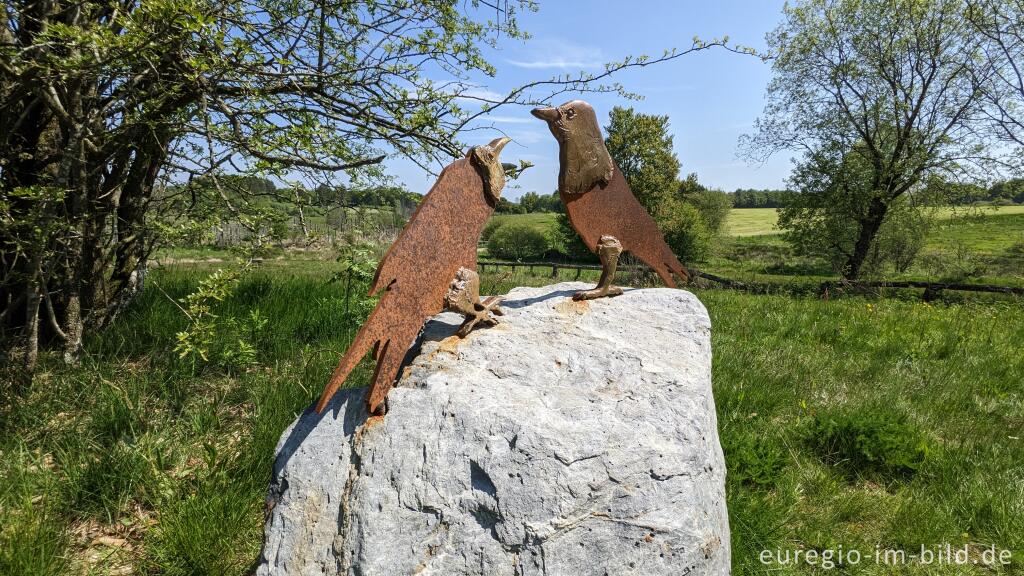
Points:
x=685, y=231
x=900, y=238
x=868, y=441
x=518, y=241
x=713, y=206
x=957, y=264
x=569, y=244
x=492, y=225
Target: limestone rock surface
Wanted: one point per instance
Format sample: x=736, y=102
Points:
x=574, y=438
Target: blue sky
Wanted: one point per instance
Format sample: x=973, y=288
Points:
x=711, y=97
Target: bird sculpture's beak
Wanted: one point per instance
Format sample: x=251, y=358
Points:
x=485, y=158
x=547, y=114
x=497, y=144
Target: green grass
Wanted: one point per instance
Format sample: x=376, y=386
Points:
x=181, y=253
x=991, y=233
x=950, y=371
x=540, y=220
x=751, y=222
x=139, y=459
x=761, y=221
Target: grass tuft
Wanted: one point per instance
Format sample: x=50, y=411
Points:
x=872, y=441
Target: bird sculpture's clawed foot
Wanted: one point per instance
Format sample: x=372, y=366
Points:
x=463, y=296
x=599, y=292
x=608, y=249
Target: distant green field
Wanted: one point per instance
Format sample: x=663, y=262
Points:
x=741, y=222
x=991, y=233
x=751, y=222
x=758, y=221
x=541, y=220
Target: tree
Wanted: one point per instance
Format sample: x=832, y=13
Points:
x=744, y=198
x=550, y=203
x=712, y=205
x=685, y=230
x=836, y=195
x=641, y=146
x=506, y=206
x=518, y=241
x=1000, y=24
x=102, y=101
x=530, y=202
x=886, y=86
x=1011, y=190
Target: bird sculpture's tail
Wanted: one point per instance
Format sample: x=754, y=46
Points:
x=389, y=344
x=659, y=256
x=365, y=339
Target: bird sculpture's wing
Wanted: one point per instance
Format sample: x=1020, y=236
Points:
x=414, y=274
x=612, y=210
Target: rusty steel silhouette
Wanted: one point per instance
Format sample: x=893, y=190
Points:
x=417, y=271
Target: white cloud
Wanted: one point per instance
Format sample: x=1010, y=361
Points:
x=557, y=53
x=509, y=119
x=478, y=94
x=560, y=63
x=529, y=137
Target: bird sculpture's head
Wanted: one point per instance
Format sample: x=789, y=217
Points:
x=584, y=162
x=490, y=168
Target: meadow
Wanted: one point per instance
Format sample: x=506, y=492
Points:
x=982, y=245
x=761, y=221
x=860, y=421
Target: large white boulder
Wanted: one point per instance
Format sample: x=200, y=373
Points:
x=575, y=438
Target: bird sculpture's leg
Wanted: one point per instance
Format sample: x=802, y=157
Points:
x=481, y=314
x=608, y=249
x=463, y=296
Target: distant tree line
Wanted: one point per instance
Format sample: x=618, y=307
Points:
x=956, y=193
x=751, y=198
x=252, y=187
x=1002, y=192
x=529, y=203
x=331, y=196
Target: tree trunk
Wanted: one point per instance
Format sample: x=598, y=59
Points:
x=868, y=229
x=73, y=329
x=32, y=299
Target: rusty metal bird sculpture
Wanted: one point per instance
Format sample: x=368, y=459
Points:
x=422, y=271
x=599, y=202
